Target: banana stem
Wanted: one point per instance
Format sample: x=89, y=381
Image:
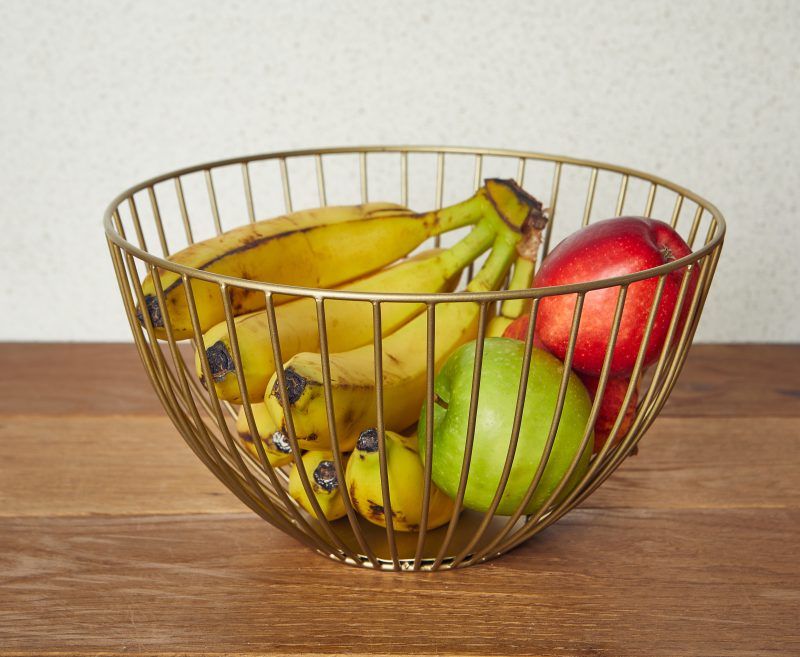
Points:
x=466, y=213
x=503, y=199
x=497, y=264
x=525, y=267
x=468, y=248
x=520, y=280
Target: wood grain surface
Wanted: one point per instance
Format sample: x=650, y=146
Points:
x=115, y=540
x=751, y=380
x=610, y=582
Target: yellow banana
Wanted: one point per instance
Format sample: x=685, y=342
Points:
x=406, y=485
x=352, y=372
x=276, y=444
x=349, y=323
x=276, y=440
x=322, y=247
x=324, y=483
x=497, y=326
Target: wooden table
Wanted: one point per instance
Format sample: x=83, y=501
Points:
x=115, y=540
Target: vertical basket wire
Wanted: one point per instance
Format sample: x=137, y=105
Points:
x=182, y=207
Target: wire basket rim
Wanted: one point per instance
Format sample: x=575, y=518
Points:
x=430, y=298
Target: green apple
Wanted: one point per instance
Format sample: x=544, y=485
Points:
x=500, y=378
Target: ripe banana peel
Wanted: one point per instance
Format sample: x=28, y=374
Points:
x=349, y=323
x=321, y=472
x=276, y=444
x=352, y=373
x=497, y=325
x=273, y=438
x=406, y=477
x=322, y=247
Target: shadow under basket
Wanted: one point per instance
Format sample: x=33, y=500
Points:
x=160, y=216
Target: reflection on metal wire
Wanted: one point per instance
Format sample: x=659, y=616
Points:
x=470, y=537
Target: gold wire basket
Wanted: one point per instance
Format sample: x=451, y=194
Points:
x=179, y=208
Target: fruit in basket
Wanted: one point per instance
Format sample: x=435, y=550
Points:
x=277, y=440
x=273, y=440
x=613, y=396
x=510, y=309
x=409, y=438
x=349, y=323
x=322, y=247
x=352, y=373
x=605, y=249
x=352, y=376
x=324, y=483
x=518, y=330
x=499, y=383
x=610, y=407
x=406, y=480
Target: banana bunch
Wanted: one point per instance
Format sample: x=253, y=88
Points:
x=508, y=212
x=322, y=247
x=349, y=323
x=276, y=442
x=361, y=248
x=406, y=478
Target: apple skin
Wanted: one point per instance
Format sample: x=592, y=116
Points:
x=500, y=374
x=518, y=330
x=610, y=405
x=613, y=396
x=613, y=247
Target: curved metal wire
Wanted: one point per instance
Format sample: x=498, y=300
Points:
x=469, y=537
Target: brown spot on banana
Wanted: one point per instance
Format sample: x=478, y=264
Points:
x=248, y=245
x=295, y=385
x=220, y=361
x=280, y=442
x=325, y=476
x=153, y=309
x=367, y=441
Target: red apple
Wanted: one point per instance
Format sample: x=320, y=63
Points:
x=518, y=329
x=613, y=396
x=613, y=247
x=610, y=406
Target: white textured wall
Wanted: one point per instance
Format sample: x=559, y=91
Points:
x=98, y=95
